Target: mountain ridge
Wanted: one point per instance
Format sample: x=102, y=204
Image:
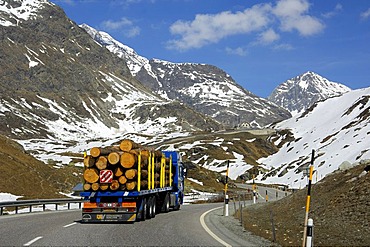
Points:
x=205, y=88
x=300, y=92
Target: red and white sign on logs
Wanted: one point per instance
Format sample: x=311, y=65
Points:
x=106, y=176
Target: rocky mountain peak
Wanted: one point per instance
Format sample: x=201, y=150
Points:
x=12, y=12
x=57, y=82
x=299, y=93
x=203, y=87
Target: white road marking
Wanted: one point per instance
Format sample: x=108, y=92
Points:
x=203, y=223
x=74, y=223
x=32, y=241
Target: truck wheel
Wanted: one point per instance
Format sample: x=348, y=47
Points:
x=154, y=204
x=166, y=203
x=144, y=210
x=150, y=208
x=177, y=207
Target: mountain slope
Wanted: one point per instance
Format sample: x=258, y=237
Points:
x=338, y=129
x=57, y=82
x=203, y=87
x=299, y=93
x=23, y=175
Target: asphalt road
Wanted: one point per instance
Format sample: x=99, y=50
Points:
x=189, y=226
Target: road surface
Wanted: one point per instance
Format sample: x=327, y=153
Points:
x=192, y=225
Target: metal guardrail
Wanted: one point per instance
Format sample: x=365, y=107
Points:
x=43, y=202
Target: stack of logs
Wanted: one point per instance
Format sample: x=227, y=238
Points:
x=123, y=161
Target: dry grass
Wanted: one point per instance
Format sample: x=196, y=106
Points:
x=23, y=175
x=340, y=209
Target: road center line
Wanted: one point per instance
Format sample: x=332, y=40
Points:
x=203, y=223
x=74, y=223
x=32, y=241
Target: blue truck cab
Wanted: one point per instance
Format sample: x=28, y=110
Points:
x=165, y=191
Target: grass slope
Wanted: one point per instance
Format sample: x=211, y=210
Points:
x=23, y=175
x=340, y=209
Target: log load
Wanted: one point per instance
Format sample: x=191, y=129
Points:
x=127, y=145
x=114, y=158
x=128, y=160
x=101, y=163
x=123, y=162
x=91, y=175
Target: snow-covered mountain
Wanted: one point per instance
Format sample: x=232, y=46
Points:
x=62, y=92
x=57, y=85
x=338, y=129
x=203, y=87
x=299, y=93
x=16, y=11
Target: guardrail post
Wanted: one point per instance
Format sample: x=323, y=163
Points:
x=69, y=205
x=43, y=207
x=16, y=209
x=56, y=206
x=1, y=211
x=30, y=208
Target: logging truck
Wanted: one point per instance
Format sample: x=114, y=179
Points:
x=128, y=184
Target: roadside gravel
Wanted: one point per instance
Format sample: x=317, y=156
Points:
x=229, y=229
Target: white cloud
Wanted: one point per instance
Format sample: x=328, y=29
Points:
x=366, y=14
x=237, y=51
x=125, y=25
x=291, y=8
x=292, y=16
x=205, y=29
x=268, y=37
x=338, y=8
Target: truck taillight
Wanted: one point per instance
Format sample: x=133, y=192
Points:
x=90, y=205
x=129, y=204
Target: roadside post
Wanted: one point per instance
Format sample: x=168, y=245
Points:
x=254, y=191
x=308, y=199
x=226, y=205
x=309, y=233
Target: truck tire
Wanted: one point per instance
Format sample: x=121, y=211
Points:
x=150, y=208
x=166, y=203
x=154, y=206
x=144, y=210
x=179, y=201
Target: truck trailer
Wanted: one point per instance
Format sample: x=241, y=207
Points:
x=158, y=186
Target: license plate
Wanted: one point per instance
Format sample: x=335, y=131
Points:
x=109, y=210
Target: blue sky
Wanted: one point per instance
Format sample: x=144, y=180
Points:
x=259, y=43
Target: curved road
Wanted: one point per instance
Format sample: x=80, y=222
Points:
x=62, y=228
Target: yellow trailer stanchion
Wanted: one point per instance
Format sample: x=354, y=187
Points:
x=161, y=174
x=139, y=172
x=153, y=177
x=170, y=170
x=150, y=171
x=164, y=172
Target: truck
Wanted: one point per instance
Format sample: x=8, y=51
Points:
x=159, y=188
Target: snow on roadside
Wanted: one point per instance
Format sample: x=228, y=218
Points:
x=7, y=197
x=196, y=195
